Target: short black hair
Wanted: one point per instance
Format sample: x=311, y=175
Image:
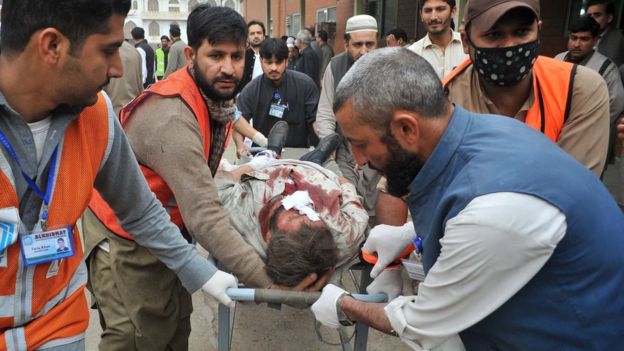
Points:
x=451, y=3
x=174, y=30
x=215, y=24
x=256, y=22
x=323, y=35
x=273, y=47
x=137, y=33
x=164, y=37
x=585, y=23
x=398, y=34
x=609, y=5
x=76, y=19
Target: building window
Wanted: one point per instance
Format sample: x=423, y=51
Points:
x=212, y=2
x=154, y=29
x=152, y=6
x=135, y=5
x=174, y=6
x=326, y=20
x=293, y=24
x=327, y=14
x=230, y=4
x=192, y=4
x=128, y=29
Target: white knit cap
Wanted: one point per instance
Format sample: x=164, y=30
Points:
x=290, y=42
x=361, y=23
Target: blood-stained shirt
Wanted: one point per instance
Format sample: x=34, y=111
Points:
x=337, y=204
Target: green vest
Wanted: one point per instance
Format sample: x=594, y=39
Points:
x=160, y=62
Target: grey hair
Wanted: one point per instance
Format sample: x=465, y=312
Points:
x=304, y=37
x=387, y=80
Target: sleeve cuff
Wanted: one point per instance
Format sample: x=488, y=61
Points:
x=196, y=273
x=394, y=312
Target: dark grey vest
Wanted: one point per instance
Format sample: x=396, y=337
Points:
x=340, y=64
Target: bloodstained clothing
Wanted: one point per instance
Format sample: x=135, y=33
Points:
x=337, y=205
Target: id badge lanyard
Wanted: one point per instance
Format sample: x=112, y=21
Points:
x=43, y=219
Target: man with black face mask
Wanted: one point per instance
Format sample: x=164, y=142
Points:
x=178, y=131
x=505, y=76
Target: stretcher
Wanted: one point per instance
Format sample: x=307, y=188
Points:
x=299, y=300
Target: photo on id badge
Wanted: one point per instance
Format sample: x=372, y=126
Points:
x=45, y=246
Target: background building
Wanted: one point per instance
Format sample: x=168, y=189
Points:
x=287, y=17
x=155, y=16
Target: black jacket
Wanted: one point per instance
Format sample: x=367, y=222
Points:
x=149, y=61
x=250, y=61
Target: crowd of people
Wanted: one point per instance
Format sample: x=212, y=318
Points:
x=467, y=145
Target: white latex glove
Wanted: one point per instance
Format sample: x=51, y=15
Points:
x=389, y=282
x=260, y=139
x=217, y=286
x=262, y=159
x=388, y=242
x=324, y=308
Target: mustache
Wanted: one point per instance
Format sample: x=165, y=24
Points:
x=226, y=78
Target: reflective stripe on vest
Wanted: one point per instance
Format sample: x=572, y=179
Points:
x=53, y=310
x=553, y=82
x=181, y=85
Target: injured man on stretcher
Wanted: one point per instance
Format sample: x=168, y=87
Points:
x=299, y=216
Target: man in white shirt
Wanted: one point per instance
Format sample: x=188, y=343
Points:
x=522, y=246
x=441, y=47
x=255, y=37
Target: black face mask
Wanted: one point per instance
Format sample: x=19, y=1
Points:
x=505, y=66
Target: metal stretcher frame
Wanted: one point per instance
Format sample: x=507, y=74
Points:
x=226, y=317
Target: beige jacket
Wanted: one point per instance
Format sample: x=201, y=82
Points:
x=165, y=137
x=585, y=134
x=122, y=90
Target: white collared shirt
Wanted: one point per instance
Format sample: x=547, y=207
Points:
x=443, y=62
x=257, y=69
x=489, y=251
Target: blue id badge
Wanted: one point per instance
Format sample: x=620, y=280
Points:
x=277, y=111
x=46, y=246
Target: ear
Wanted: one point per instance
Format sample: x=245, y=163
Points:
x=539, y=26
x=51, y=45
x=453, y=11
x=405, y=127
x=190, y=55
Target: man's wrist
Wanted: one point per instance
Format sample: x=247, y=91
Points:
x=343, y=318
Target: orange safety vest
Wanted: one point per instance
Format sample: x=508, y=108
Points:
x=553, y=82
x=55, y=307
x=181, y=85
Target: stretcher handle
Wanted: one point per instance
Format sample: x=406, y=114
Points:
x=290, y=297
